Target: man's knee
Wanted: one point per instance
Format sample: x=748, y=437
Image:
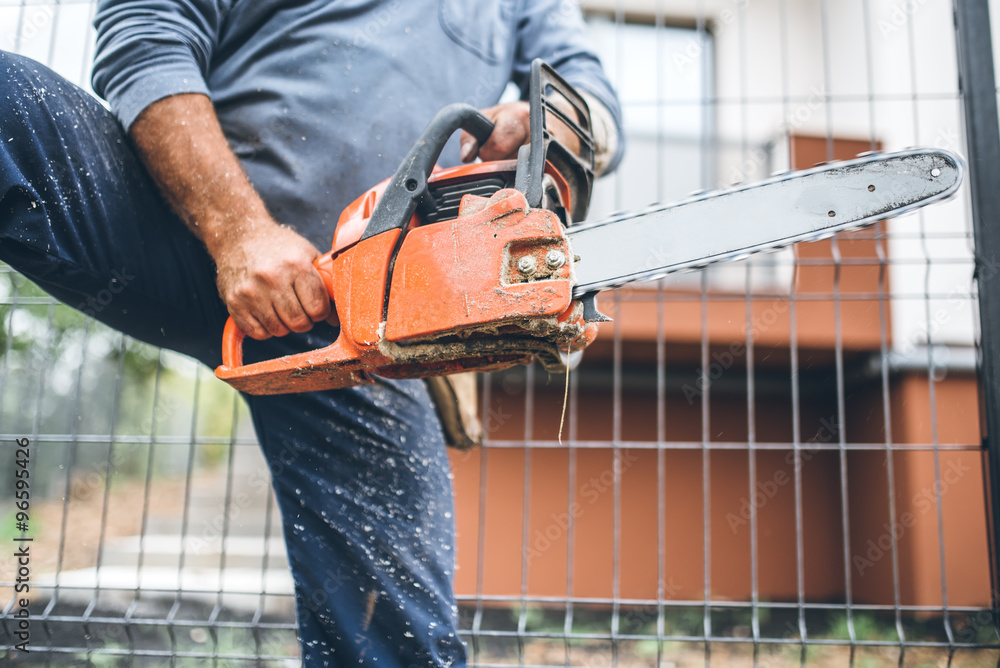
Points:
x=47, y=123
x=24, y=106
x=31, y=95
x=15, y=81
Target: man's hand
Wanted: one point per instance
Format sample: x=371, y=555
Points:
x=268, y=281
x=513, y=130
x=265, y=271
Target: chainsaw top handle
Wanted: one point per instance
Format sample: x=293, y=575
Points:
x=552, y=101
x=408, y=187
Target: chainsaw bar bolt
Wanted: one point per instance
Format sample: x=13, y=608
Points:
x=555, y=259
x=526, y=265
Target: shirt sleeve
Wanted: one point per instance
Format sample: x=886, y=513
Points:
x=151, y=49
x=554, y=31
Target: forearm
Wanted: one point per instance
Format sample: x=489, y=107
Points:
x=152, y=55
x=265, y=270
x=183, y=147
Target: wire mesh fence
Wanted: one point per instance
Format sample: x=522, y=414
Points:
x=770, y=462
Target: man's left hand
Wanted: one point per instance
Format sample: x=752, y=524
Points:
x=513, y=130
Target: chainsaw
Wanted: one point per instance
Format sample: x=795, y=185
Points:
x=490, y=265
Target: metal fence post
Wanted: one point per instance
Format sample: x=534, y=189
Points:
x=978, y=87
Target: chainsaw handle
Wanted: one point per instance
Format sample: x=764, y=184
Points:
x=232, y=335
x=408, y=186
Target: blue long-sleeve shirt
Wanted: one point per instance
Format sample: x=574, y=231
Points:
x=321, y=99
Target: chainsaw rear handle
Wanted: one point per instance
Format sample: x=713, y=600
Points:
x=408, y=187
x=232, y=335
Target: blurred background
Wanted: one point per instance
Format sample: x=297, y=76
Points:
x=767, y=462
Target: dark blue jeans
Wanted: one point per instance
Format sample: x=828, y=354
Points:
x=361, y=475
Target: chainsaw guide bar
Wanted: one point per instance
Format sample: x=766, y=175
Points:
x=732, y=224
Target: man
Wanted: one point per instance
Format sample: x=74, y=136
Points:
x=259, y=120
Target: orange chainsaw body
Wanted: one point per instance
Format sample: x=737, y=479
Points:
x=457, y=300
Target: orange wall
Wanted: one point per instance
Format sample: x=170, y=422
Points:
x=961, y=501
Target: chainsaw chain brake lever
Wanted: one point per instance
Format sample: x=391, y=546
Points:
x=553, y=101
x=408, y=187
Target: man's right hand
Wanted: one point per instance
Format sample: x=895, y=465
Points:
x=265, y=271
x=268, y=281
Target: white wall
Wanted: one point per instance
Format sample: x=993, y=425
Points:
x=58, y=34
